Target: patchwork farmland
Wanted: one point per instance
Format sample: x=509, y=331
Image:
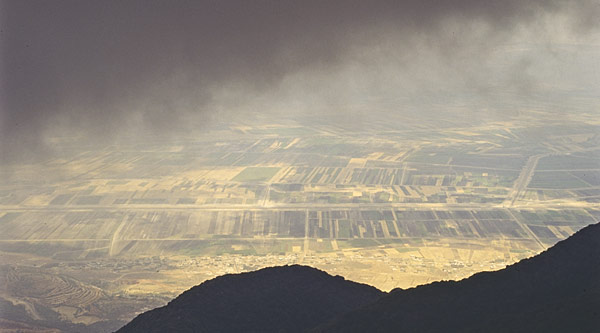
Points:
x=389, y=204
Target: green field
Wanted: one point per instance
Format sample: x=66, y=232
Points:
x=256, y=174
x=556, y=180
x=569, y=162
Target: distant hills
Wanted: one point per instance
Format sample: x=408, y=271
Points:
x=556, y=291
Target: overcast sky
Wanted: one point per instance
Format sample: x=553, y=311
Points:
x=102, y=69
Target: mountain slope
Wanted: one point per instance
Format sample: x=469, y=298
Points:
x=556, y=291
x=278, y=299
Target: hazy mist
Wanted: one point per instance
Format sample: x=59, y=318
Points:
x=103, y=70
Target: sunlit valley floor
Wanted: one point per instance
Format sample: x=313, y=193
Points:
x=102, y=234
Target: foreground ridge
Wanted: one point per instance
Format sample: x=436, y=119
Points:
x=555, y=291
x=276, y=299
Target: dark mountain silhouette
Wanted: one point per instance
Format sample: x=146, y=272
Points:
x=278, y=299
x=556, y=291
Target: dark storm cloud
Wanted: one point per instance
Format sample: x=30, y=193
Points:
x=100, y=67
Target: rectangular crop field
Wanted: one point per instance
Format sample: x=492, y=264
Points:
x=256, y=174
